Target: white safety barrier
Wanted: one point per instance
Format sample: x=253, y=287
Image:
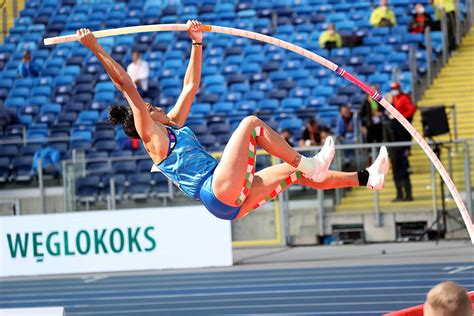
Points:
x=130, y=240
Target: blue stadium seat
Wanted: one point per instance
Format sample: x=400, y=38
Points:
x=248, y=105
x=268, y=104
x=50, y=108
x=396, y=57
x=6, y=83
x=325, y=91
x=69, y=117
x=204, y=108
x=21, y=168
x=254, y=95
x=105, y=145
x=292, y=103
x=48, y=118
x=380, y=78
x=347, y=89
x=382, y=49
x=294, y=124
x=125, y=166
x=15, y=102
x=219, y=128
x=24, y=83
x=19, y=92
x=88, y=116
x=4, y=169
x=105, y=96
x=160, y=183
x=207, y=140
x=144, y=165
x=139, y=185
x=300, y=92
x=108, y=134
x=79, y=138
x=338, y=100
x=9, y=151
x=88, y=187
x=41, y=91
x=121, y=153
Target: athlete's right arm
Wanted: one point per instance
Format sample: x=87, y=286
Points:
x=143, y=121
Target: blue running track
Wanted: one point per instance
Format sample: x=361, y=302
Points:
x=361, y=290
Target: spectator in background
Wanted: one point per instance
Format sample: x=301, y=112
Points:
x=346, y=125
x=311, y=135
x=346, y=131
x=371, y=115
x=139, y=71
x=27, y=68
x=420, y=20
x=395, y=132
x=447, y=299
x=7, y=116
x=403, y=103
x=383, y=15
x=448, y=7
x=287, y=135
x=324, y=132
x=50, y=161
x=330, y=39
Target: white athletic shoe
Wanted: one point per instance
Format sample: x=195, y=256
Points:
x=323, y=160
x=378, y=170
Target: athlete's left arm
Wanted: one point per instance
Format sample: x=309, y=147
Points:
x=192, y=78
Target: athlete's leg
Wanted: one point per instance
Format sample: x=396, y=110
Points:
x=233, y=176
x=271, y=181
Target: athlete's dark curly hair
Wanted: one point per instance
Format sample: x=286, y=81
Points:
x=123, y=115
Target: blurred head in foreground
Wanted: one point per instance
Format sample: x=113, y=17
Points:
x=447, y=299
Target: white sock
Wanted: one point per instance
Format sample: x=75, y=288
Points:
x=306, y=165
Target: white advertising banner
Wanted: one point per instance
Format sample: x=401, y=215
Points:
x=106, y=241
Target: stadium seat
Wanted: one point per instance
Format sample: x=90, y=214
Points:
x=4, y=169
x=87, y=188
x=88, y=116
x=223, y=107
x=139, y=187
x=105, y=145
x=207, y=140
x=9, y=151
x=126, y=167
x=21, y=168
x=268, y=104
x=292, y=103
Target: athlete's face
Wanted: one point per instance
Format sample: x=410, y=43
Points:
x=157, y=114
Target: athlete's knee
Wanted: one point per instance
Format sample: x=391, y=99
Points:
x=251, y=121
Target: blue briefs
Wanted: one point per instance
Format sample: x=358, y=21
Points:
x=212, y=203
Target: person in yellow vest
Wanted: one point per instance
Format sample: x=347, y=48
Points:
x=448, y=7
x=330, y=39
x=383, y=15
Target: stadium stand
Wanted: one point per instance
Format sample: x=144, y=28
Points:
x=72, y=93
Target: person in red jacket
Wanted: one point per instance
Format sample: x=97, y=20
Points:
x=395, y=132
x=402, y=101
x=420, y=20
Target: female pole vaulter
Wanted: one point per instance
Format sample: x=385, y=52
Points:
x=229, y=189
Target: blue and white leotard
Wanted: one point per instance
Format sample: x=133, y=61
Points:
x=191, y=169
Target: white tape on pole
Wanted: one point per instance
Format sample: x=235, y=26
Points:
x=306, y=53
